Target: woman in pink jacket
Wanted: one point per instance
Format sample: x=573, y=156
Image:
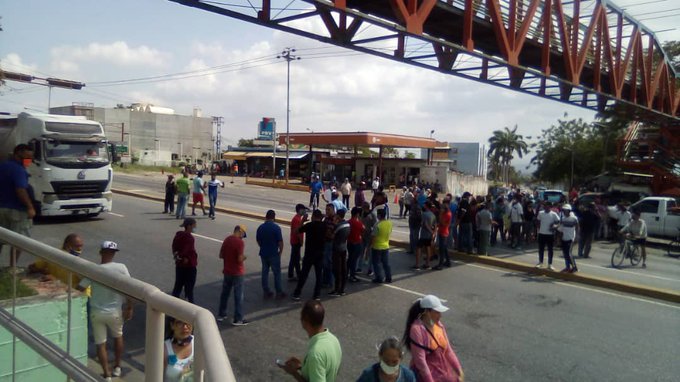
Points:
x=432, y=356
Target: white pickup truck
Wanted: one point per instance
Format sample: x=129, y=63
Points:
x=661, y=215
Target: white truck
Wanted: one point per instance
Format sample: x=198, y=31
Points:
x=661, y=215
x=71, y=172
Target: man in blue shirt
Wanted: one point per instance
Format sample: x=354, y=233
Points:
x=314, y=191
x=270, y=240
x=16, y=207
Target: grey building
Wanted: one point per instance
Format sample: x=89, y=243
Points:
x=465, y=157
x=149, y=128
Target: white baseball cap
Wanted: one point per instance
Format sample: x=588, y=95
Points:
x=567, y=207
x=432, y=302
x=112, y=245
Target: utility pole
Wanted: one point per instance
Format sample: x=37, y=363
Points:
x=287, y=55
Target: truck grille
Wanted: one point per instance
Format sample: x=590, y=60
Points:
x=80, y=189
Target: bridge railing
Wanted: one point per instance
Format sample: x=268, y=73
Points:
x=210, y=358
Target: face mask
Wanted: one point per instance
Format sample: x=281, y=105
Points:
x=387, y=369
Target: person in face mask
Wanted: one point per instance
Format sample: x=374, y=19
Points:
x=432, y=356
x=73, y=244
x=389, y=369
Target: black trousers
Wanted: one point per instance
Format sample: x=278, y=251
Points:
x=185, y=278
x=544, y=240
x=340, y=270
x=169, y=203
x=309, y=261
x=294, y=262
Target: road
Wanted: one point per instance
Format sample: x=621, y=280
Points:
x=505, y=326
x=662, y=271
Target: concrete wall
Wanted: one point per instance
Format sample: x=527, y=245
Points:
x=454, y=182
x=48, y=316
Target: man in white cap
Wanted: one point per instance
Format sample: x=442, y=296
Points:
x=107, y=311
x=569, y=229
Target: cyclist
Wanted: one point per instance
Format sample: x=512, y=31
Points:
x=636, y=230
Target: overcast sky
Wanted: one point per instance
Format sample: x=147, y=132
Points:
x=331, y=88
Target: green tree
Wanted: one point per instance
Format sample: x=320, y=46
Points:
x=409, y=155
x=672, y=49
x=502, y=147
x=245, y=143
x=572, y=151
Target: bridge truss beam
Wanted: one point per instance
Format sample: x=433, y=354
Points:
x=531, y=46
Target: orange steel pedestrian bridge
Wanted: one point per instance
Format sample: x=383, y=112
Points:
x=587, y=53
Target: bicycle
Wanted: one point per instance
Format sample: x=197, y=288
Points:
x=673, y=246
x=626, y=249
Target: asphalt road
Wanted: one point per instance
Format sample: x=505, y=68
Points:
x=505, y=326
x=662, y=271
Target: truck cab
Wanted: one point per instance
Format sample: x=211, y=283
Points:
x=71, y=171
x=660, y=214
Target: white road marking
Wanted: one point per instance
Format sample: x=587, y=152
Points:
x=137, y=190
x=401, y=289
x=115, y=214
x=563, y=283
x=207, y=238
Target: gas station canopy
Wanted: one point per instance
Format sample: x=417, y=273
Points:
x=360, y=139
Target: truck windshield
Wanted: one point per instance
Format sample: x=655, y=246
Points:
x=76, y=152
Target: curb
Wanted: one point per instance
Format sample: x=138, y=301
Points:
x=636, y=289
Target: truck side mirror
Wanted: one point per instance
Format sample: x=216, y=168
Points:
x=37, y=151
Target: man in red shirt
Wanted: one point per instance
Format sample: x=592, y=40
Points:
x=356, y=229
x=232, y=253
x=186, y=260
x=442, y=235
x=296, y=241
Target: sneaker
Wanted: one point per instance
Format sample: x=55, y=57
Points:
x=415, y=268
x=221, y=318
x=447, y=264
x=539, y=265
x=369, y=273
x=333, y=293
x=108, y=379
x=644, y=265
x=566, y=270
x=354, y=279
x=574, y=270
x=343, y=294
x=551, y=267
x=425, y=267
x=438, y=268
x=295, y=297
x=317, y=298
x=388, y=281
x=212, y=217
x=116, y=371
x=242, y=322
x=376, y=281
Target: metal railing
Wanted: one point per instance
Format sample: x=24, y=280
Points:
x=210, y=357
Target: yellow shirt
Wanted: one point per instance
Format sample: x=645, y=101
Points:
x=59, y=273
x=381, y=235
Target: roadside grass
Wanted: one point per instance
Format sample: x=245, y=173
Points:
x=23, y=290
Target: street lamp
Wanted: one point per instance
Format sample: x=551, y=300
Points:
x=288, y=56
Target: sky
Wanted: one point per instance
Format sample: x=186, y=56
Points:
x=332, y=89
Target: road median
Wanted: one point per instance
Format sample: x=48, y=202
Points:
x=601, y=282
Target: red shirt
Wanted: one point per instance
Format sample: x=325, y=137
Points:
x=356, y=228
x=296, y=238
x=444, y=222
x=232, y=247
x=184, y=250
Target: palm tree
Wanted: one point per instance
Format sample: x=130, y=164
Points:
x=502, y=147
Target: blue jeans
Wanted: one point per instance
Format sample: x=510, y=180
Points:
x=327, y=268
x=212, y=199
x=378, y=257
x=465, y=237
x=354, y=255
x=273, y=262
x=229, y=282
x=181, y=205
x=444, y=258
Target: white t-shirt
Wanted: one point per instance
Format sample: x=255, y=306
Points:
x=624, y=218
x=568, y=227
x=546, y=220
x=516, y=212
x=104, y=299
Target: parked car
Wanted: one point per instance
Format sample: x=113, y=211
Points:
x=661, y=214
x=552, y=196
